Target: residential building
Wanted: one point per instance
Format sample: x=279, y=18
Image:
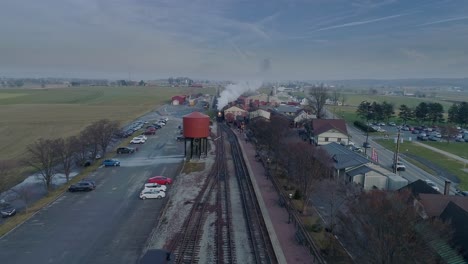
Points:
x=325, y=131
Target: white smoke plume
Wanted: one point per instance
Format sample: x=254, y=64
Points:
x=233, y=91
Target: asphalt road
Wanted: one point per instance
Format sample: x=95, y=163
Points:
x=108, y=225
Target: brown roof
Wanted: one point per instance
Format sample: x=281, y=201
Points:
x=323, y=125
x=434, y=204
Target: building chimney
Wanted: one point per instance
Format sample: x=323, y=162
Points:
x=447, y=187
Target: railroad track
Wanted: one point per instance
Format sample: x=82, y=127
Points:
x=260, y=243
x=186, y=244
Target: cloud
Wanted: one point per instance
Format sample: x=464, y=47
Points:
x=414, y=54
x=358, y=23
x=444, y=21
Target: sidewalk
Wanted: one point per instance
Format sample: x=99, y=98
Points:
x=285, y=233
x=448, y=154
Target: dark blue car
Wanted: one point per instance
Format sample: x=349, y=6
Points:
x=111, y=162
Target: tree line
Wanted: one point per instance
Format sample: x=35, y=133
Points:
x=60, y=155
x=423, y=113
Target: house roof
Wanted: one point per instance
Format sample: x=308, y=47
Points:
x=435, y=204
x=320, y=126
x=343, y=157
x=287, y=109
x=234, y=108
x=458, y=218
x=418, y=187
x=360, y=170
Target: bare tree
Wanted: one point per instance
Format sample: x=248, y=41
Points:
x=90, y=137
x=42, y=156
x=343, y=99
x=106, y=130
x=81, y=144
x=318, y=97
x=384, y=227
x=24, y=193
x=448, y=132
x=279, y=126
x=307, y=167
x=65, y=149
x=335, y=96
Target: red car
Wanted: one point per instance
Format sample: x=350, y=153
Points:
x=160, y=180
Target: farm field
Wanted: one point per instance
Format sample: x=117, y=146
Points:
x=29, y=114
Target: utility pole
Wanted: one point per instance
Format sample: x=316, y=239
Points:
x=397, y=151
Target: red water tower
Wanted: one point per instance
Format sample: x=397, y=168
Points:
x=196, y=131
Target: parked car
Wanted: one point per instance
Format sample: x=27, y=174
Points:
x=82, y=186
x=7, y=210
x=152, y=194
x=142, y=137
x=150, y=131
x=160, y=180
x=111, y=162
x=432, y=184
x=399, y=166
x=125, y=150
x=155, y=186
x=180, y=138
x=366, y=145
x=93, y=183
x=462, y=193
x=137, y=141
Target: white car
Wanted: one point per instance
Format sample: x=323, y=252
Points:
x=432, y=184
x=399, y=166
x=137, y=141
x=161, y=123
x=152, y=194
x=142, y=136
x=154, y=186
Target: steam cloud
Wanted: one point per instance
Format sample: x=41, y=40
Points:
x=233, y=91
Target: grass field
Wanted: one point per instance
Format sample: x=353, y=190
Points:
x=457, y=148
x=28, y=114
x=453, y=166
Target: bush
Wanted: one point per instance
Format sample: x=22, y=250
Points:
x=363, y=126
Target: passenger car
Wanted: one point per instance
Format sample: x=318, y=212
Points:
x=7, y=210
x=137, y=140
x=111, y=162
x=399, y=166
x=160, y=180
x=81, y=186
x=155, y=186
x=432, y=184
x=125, y=150
x=152, y=194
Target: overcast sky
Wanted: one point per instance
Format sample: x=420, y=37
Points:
x=234, y=39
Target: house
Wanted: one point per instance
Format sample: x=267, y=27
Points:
x=303, y=116
x=325, y=131
x=457, y=217
x=233, y=112
x=287, y=110
x=373, y=176
x=178, y=99
x=262, y=99
x=260, y=113
x=343, y=159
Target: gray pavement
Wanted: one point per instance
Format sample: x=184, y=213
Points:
x=284, y=233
